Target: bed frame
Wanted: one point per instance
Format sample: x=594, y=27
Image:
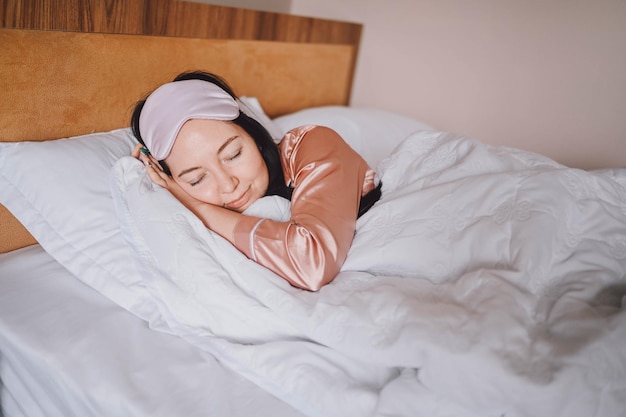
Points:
x=72, y=67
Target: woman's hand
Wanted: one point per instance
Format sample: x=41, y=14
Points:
x=159, y=177
x=153, y=168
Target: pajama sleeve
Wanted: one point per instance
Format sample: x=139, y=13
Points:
x=328, y=179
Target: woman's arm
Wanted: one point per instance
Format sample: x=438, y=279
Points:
x=328, y=177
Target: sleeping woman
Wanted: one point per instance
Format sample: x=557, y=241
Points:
x=197, y=143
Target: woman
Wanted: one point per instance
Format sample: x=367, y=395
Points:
x=218, y=161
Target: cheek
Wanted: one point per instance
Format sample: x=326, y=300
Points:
x=203, y=193
x=261, y=174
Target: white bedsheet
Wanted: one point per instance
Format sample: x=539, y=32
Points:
x=67, y=351
x=486, y=282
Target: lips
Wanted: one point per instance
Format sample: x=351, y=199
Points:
x=240, y=202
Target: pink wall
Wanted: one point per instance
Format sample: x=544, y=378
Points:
x=546, y=76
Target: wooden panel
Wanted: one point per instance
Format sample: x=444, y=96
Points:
x=64, y=96
x=179, y=19
x=173, y=18
x=12, y=234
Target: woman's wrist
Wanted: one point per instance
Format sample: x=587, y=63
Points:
x=219, y=219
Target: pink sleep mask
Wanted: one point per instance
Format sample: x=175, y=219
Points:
x=171, y=105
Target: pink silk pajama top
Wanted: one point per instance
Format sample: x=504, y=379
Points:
x=328, y=179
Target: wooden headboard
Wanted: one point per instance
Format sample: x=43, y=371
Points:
x=78, y=66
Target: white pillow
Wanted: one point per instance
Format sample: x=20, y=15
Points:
x=188, y=267
x=59, y=190
x=372, y=133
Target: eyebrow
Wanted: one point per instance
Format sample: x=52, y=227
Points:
x=219, y=150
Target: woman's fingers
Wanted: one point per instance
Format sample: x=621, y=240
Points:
x=136, y=151
x=149, y=161
x=153, y=168
x=141, y=153
x=155, y=172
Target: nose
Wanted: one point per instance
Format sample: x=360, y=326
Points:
x=227, y=181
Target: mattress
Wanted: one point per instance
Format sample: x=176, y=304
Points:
x=67, y=351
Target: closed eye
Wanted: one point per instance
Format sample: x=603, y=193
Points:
x=197, y=181
x=235, y=156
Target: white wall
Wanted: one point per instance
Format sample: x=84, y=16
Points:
x=547, y=76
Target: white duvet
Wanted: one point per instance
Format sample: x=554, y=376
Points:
x=485, y=282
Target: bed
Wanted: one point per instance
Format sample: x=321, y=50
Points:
x=487, y=281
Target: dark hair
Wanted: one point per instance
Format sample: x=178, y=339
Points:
x=260, y=135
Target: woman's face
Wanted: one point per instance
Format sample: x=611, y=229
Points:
x=218, y=163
